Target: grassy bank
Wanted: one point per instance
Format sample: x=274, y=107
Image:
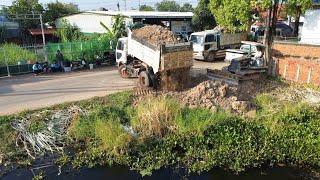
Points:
x=160, y=133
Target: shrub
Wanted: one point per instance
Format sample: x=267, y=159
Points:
x=156, y=116
x=196, y=121
x=112, y=136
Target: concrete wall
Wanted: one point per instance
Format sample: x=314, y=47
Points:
x=297, y=62
x=90, y=23
x=311, y=27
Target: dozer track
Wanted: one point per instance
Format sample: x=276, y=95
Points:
x=138, y=91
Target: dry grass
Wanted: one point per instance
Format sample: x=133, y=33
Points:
x=156, y=117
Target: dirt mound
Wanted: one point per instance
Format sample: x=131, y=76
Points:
x=155, y=35
x=213, y=95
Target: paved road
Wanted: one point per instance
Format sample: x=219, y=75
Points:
x=32, y=92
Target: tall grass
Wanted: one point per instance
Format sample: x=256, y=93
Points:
x=112, y=136
x=14, y=53
x=156, y=117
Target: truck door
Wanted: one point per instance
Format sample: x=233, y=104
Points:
x=210, y=43
x=121, y=51
x=218, y=36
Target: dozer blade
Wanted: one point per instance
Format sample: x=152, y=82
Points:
x=219, y=75
x=231, y=78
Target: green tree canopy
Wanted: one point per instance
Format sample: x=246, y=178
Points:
x=233, y=16
x=296, y=8
x=186, y=7
x=168, y=5
x=55, y=10
x=146, y=8
x=20, y=7
x=203, y=18
x=67, y=32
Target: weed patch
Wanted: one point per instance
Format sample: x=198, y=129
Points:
x=156, y=117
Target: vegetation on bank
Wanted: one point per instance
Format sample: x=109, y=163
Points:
x=160, y=133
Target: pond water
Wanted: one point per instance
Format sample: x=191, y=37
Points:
x=119, y=173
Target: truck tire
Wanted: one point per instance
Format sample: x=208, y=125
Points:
x=123, y=71
x=210, y=57
x=144, y=79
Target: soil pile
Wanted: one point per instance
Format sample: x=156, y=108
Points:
x=155, y=35
x=213, y=95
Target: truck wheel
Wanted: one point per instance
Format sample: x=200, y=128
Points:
x=123, y=71
x=211, y=57
x=144, y=79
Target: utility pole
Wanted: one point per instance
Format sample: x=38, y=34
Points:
x=43, y=40
x=125, y=5
x=139, y=4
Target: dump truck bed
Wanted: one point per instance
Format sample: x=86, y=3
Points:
x=163, y=57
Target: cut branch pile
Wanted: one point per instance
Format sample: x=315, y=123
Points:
x=49, y=138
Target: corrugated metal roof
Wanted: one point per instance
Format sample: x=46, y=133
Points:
x=145, y=14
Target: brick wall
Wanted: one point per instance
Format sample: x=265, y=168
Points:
x=297, y=62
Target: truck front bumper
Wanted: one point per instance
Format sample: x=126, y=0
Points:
x=198, y=55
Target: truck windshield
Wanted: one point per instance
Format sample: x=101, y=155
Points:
x=120, y=45
x=196, y=39
x=246, y=48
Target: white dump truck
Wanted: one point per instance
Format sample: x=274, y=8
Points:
x=210, y=45
x=138, y=58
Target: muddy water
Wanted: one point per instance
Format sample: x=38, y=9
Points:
x=122, y=173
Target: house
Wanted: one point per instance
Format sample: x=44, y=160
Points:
x=310, y=33
x=89, y=22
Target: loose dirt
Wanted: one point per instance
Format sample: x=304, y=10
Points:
x=216, y=95
x=155, y=35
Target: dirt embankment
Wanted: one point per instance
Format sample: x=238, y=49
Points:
x=156, y=35
x=213, y=95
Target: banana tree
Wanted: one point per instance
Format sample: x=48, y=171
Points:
x=118, y=28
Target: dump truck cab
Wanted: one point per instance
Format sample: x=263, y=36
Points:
x=204, y=43
x=210, y=45
x=122, y=51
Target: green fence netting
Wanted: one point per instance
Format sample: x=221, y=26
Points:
x=76, y=50
x=17, y=57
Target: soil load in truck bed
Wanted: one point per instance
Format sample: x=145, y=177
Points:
x=155, y=35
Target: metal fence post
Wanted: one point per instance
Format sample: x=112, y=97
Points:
x=6, y=61
x=71, y=52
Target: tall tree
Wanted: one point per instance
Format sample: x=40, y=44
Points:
x=272, y=7
x=233, y=16
x=168, y=5
x=20, y=7
x=296, y=8
x=203, y=18
x=186, y=7
x=146, y=8
x=55, y=10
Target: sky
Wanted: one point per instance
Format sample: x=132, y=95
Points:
x=109, y=4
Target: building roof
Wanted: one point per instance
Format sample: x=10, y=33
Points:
x=145, y=14
x=36, y=32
